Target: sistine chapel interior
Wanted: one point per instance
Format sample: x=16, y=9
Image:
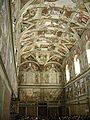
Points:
x=44, y=59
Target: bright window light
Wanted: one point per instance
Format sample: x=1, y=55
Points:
x=88, y=55
x=67, y=73
x=77, y=65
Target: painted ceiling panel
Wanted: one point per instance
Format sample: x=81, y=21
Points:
x=48, y=31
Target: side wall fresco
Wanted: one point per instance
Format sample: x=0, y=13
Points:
x=80, y=50
x=78, y=88
x=6, y=44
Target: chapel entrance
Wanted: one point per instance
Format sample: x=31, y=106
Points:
x=42, y=110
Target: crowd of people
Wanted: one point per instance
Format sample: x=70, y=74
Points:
x=75, y=117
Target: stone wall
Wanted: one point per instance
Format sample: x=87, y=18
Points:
x=5, y=94
x=6, y=44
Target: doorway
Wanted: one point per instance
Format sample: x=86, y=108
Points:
x=42, y=110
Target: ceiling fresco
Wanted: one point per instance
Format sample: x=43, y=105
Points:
x=48, y=30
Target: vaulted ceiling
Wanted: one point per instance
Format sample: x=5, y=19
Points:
x=49, y=29
x=46, y=30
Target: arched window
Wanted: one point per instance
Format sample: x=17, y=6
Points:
x=77, y=65
x=67, y=73
x=88, y=51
